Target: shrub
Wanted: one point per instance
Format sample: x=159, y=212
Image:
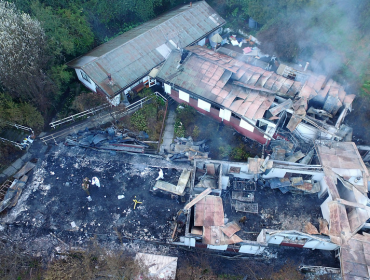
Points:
x=224, y=151
x=186, y=114
x=239, y=153
x=20, y=113
x=179, y=129
x=88, y=100
x=138, y=121
x=196, y=132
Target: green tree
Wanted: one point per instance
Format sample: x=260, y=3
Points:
x=67, y=30
x=22, y=56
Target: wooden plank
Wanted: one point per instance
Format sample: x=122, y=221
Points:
x=198, y=198
x=351, y=204
x=27, y=167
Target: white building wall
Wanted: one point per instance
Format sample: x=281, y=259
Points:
x=250, y=249
x=220, y=247
x=204, y=105
x=320, y=245
x=246, y=125
x=225, y=114
x=167, y=88
x=87, y=82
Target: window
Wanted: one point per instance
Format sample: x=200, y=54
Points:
x=167, y=88
x=246, y=125
x=85, y=77
x=204, y=105
x=183, y=96
x=225, y=114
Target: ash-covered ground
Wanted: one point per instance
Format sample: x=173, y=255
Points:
x=53, y=199
x=55, y=202
x=276, y=211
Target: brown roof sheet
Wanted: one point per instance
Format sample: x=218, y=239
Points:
x=209, y=212
x=355, y=257
x=340, y=155
x=213, y=235
x=230, y=229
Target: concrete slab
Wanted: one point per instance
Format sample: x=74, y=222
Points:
x=2, y=178
x=26, y=157
x=9, y=171
x=18, y=164
x=169, y=131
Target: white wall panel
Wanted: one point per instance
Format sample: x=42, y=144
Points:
x=204, y=105
x=183, y=96
x=167, y=89
x=246, y=125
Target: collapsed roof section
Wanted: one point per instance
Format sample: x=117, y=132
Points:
x=135, y=53
x=254, y=94
x=339, y=181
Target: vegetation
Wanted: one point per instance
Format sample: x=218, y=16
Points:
x=93, y=262
x=20, y=113
x=149, y=118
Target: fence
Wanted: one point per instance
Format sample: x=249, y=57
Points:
x=93, y=111
x=17, y=126
x=75, y=117
x=18, y=145
x=118, y=114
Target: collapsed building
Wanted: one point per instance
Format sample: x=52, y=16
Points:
x=317, y=199
x=256, y=102
x=330, y=192
x=246, y=207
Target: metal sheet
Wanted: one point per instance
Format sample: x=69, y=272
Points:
x=209, y=212
x=193, y=22
x=230, y=229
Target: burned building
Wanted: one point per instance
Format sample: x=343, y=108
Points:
x=256, y=102
x=322, y=205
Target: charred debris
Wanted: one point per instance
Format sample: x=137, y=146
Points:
x=308, y=189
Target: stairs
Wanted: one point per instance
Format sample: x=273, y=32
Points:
x=169, y=99
x=15, y=135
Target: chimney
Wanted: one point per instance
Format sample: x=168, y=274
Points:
x=191, y=3
x=305, y=68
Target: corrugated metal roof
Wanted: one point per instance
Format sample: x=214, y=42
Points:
x=206, y=73
x=134, y=53
x=208, y=77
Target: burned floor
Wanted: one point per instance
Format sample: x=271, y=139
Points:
x=53, y=213
x=276, y=211
x=55, y=201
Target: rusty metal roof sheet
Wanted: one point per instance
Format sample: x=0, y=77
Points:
x=213, y=235
x=206, y=73
x=339, y=225
x=340, y=155
x=209, y=212
x=131, y=55
x=230, y=229
x=355, y=258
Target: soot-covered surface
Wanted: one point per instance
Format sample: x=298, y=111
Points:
x=55, y=201
x=275, y=211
